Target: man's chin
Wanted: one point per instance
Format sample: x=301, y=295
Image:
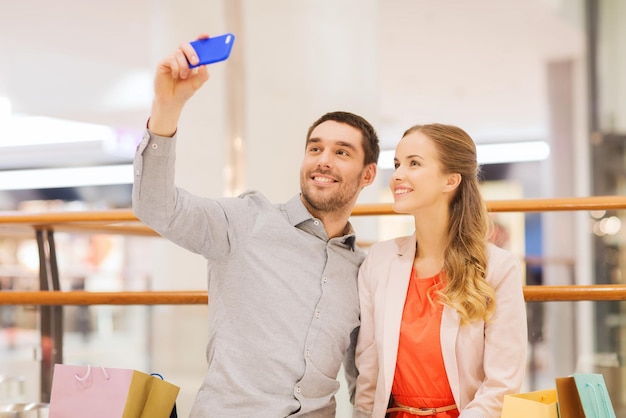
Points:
x=319, y=203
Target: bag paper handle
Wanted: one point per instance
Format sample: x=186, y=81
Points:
x=605, y=399
x=86, y=376
x=595, y=397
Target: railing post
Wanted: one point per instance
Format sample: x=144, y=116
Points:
x=51, y=317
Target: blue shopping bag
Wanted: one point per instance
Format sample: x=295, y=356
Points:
x=583, y=395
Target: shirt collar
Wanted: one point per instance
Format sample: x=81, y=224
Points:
x=297, y=213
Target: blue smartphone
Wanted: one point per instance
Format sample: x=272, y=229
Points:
x=214, y=49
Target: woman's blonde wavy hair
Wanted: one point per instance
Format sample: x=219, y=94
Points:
x=465, y=260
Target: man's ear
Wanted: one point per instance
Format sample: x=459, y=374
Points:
x=453, y=181
x=369, y=174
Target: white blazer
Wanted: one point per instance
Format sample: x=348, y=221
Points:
x=483, y=361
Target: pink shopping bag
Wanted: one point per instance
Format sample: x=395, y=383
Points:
x=98, y=392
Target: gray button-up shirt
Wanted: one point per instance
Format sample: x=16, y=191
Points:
x=283, y=310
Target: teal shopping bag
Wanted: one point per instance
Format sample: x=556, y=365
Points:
x=583, y=395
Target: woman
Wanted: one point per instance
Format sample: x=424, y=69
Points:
x=443, y=319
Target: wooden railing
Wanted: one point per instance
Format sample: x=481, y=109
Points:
x=55, y=298
x=125, y=222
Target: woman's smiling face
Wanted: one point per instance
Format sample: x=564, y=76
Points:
x=418, y=180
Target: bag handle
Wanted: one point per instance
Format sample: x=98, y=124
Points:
x=174, y=413
x=595, y=397
x=605, y=399
x=86, y=376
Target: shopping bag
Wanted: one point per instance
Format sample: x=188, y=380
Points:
x=583, y=395
x=538, y=404
x=99, y=392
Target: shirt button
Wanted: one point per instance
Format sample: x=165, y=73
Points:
x=316, y=222
x=317, y=314
x=307, y=352
x=298, y=390
x=136, y=172
x=155, y=146
x=324, y=279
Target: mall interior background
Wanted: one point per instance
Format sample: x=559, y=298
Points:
x=507, y=71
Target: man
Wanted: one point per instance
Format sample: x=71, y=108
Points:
x=283, y=311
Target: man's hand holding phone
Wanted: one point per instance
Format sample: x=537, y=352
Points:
x=180, y=75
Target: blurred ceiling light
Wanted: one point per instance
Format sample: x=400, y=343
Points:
x=510, y=152
x=50, y=178
x=610, y=226
x=597, y=214
x=37, y=130
x=607, y=226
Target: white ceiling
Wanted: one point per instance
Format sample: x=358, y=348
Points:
x=479, y=64
x=67, y=58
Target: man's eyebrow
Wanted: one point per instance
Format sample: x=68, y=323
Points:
x=347, y=145
x=342, y=144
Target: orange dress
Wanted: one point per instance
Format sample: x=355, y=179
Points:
x=420, y=379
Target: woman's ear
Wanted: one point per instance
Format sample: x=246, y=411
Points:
x=453, y=181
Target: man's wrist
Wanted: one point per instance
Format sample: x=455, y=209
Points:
x=163, y=120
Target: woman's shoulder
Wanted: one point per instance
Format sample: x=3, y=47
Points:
x=494, y=251
x=501, y=259
x=398, y=244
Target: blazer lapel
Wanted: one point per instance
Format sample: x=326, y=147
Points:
x=395, y=295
